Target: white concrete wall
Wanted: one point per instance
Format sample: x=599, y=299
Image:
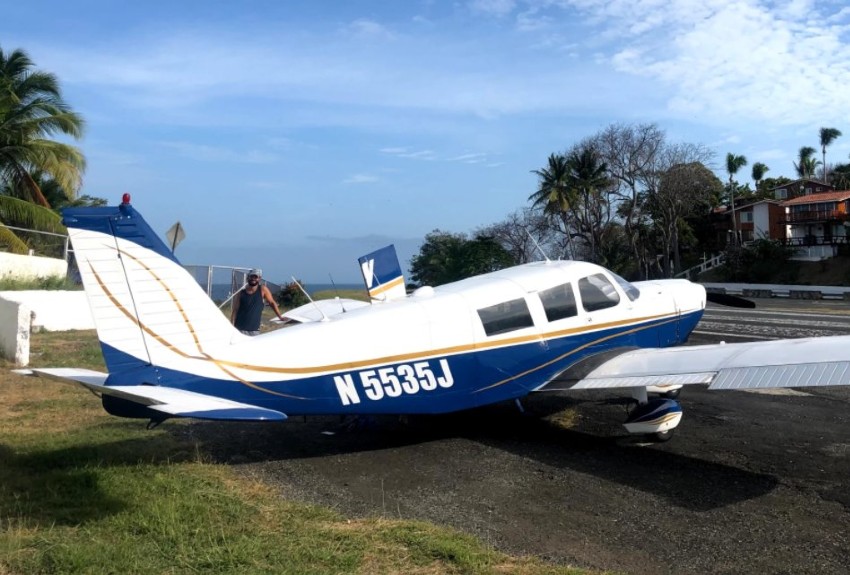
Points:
x=27, y=267
x=54, y=310
x=23, y=311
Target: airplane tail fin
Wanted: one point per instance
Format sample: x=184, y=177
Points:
x=148, y=310
x=382, y=274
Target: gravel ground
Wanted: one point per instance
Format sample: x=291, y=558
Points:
x=751, y=483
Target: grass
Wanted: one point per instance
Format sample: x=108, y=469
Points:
x=84, y=492
x=43, y=283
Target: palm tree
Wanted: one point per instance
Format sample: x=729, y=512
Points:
x=733, y=164
x=827, y=136
x=554, y=193
x=759, y=170
x=588, y=176
x=31, y=111
x=805, y=165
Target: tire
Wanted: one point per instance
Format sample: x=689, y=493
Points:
x=662, y=436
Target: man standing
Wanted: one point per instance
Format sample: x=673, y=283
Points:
x=247, y=308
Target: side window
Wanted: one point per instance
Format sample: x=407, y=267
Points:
x=597, y=293
x=559, y=302
x=506, y=316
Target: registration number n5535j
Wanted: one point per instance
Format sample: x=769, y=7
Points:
x=394, y=381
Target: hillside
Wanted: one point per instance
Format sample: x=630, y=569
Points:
x=832, y=272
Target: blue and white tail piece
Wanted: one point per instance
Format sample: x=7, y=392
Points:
x=382, y=274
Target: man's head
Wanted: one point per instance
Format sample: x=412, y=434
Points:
x=254, y=276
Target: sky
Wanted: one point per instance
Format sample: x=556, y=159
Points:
x=298, y=136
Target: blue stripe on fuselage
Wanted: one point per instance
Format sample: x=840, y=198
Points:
x=477, y=377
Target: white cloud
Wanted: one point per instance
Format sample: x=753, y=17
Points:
x=361, y=179
x=363, y=28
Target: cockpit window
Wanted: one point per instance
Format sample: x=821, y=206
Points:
x=631, y=291
x=597, y=292
x=559, y=302
x=506, y=316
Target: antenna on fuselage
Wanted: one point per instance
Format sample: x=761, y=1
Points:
x=295, y=281
x=545, y=257
x=336, y=291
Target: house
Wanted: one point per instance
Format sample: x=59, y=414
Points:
x=818, y=223
x=756, y=219
x=797, y=188
x=761, y=219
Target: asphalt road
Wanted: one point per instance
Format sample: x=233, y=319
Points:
x=751, y=483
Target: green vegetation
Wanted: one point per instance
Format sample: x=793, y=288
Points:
x=446, y=257
x=32, y=110
x=45, y=283
x=764, y=261
x=84, y=492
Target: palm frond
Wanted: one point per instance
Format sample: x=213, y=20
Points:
x=10, y=242
x=23, y=214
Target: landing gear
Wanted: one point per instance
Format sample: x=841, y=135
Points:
x=673, y=394
x=662, y=436
x=655, y=417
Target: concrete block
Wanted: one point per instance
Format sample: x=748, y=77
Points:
x=15, y=328
x=804, y=294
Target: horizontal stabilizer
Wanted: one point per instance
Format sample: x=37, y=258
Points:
x=323, y=309
x=167, y=400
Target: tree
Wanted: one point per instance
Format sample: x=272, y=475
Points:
x=759, y=170
x=445, y=257
x=554, y=194
x=631, y=152
x=523, y=234
x=806, y=165
x=827, y=136
x=588, y=177
x=684, y=189
x=733, y=164
x=839, y=176
x=31, y=111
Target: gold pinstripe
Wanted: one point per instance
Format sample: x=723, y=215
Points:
x=386, y=287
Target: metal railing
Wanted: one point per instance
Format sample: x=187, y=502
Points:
x=222, y=282
x=707, y=264
x=814, y=216
x=53, y=246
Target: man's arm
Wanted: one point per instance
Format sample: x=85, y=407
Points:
x=234, y=307
x=267, y=295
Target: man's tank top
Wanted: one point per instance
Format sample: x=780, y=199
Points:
x=250, y=310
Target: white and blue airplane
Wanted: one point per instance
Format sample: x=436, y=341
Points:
x=550, y=326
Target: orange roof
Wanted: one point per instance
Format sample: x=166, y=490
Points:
x=819, y=198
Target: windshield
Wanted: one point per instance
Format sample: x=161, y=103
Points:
x=631, y=291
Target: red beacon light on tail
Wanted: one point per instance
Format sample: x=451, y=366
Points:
x=125, y=199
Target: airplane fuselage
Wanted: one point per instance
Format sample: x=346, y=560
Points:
x=487, y=339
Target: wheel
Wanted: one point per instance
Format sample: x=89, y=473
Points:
x=672, y=394
x=662, y=436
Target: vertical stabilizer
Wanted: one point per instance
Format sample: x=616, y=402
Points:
x=382, y=274
x=147, y=308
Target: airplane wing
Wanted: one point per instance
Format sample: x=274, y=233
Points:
x=167, y=400
x=807, y=362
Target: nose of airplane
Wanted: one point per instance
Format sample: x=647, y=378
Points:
x=690, y=296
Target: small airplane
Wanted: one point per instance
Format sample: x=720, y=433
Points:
x=548, y=326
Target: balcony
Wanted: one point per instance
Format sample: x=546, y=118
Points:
x=811, y=216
